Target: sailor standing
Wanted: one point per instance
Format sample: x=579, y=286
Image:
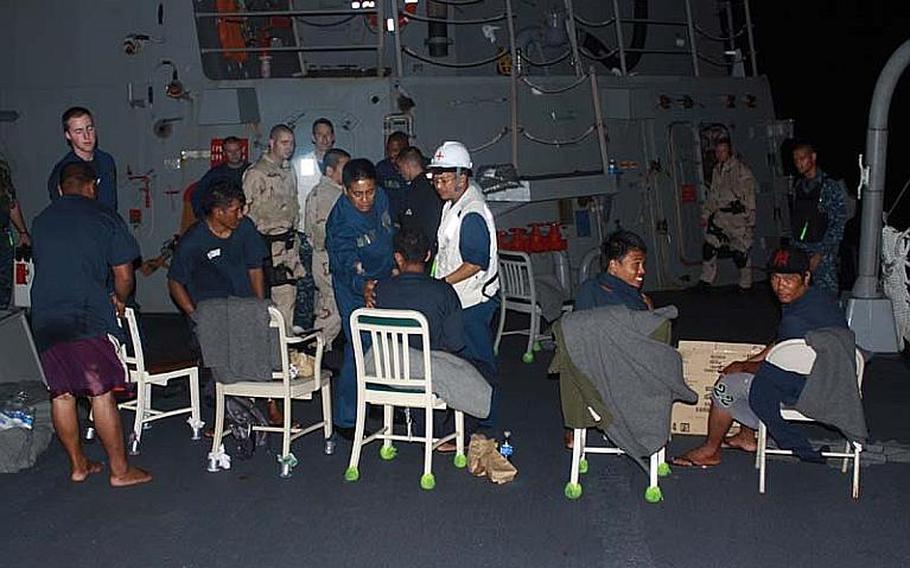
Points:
x=270, y=187
x=467, y=256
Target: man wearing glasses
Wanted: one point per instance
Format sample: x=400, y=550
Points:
x=79, y=131
x=467, y=256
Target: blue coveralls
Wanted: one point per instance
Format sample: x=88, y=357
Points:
x=360, y=249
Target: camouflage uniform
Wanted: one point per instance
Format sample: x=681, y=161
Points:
x=319, y=204
x=729, y=217
x=310, y=173
x=7, y=199
x=271, y=198
x=832, y=204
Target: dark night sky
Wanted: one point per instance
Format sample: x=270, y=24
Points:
x=822, y=58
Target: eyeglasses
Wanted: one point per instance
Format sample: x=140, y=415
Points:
x=444, y=179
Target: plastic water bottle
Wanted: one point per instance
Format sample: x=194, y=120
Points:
x=16, y=413
x=506, y=448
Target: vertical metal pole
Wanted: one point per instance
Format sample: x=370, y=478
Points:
x=731, y=44
x=380, y=46
x=619, y=41
x=398, y=64
x=599, y=117
x=690, y=25
x=752, y=55
x=298, y=39
x=573, y=39
x=513, y=84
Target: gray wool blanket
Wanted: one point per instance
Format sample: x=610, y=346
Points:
x=235, y=338
x=638, y=378
x=455, y=380
x=831, y=394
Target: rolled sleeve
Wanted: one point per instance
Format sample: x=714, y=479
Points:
x=474, y=241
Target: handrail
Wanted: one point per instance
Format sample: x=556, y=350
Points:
x=547, y=63
x=428, y=19
x=425, y=59
x=554, y=142
x=289, y=13
x=590, y=24
x=496, y=138
x=545, y=91
x=713, y=37
x=286, y=49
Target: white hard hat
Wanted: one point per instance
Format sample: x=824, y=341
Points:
x=451, y=155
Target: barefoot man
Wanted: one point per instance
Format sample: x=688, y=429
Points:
x=742, y=384
x=84, y=255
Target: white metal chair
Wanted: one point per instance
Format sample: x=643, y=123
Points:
x=794, y=355
x=518, y=292
x=393, y=382
x=657, y=467
x=281, y=387
x=144, y=377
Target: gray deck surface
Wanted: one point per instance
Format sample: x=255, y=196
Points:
x=249, y=517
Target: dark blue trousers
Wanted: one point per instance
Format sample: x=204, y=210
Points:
x=478, y=336
x=771, y=387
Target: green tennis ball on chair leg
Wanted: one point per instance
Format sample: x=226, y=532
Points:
x=653, y=494
x=528, y=357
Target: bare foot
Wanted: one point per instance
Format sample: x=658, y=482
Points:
x=744, y=440
x=568, y=439
x=702, y=456
x=447, y=448
x=132, y=476
x=80, y=474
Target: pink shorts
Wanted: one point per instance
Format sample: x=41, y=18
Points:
x=84, y=367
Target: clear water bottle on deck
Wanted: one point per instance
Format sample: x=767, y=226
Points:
x=506, y=448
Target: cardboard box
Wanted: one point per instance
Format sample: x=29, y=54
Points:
x=702, y=362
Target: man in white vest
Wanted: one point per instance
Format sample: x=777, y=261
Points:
x=467, y=257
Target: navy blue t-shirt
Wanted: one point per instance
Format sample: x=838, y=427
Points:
x=395, y=186
x=474, y=241
x=422, y=209
x=212, y=267
x=435, y=299
x=608, y=290
x=105, y=169
x=219, y=172
x=816, y=309
x=76, y=241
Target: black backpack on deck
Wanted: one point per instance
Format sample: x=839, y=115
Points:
x=242, y=415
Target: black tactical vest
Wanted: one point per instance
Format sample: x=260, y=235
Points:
x=808, y=221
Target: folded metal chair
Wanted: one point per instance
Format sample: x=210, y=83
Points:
x=284, y=387
x=391, y=382
x=794, y=355
x=144, y=376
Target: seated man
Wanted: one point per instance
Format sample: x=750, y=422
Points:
x=221, y=255
x=414, y=289
x=625, y=254
x=752, y=390
x=79, y=245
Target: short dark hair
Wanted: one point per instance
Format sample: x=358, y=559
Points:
x=231, y=140
x=804, y=145
x=412, y=245
x=333, y=157
x=413, y=155
x=724, y=140
x=220, y=195
x=620, y=243
x=356, y=170
x=279, y=129
x=73, y=176
x=398, y=136
x=323, y=120
x=74, y=112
